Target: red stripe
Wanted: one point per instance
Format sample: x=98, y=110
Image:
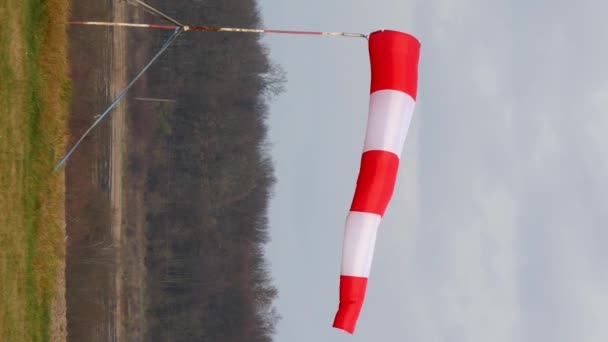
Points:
x=376, y=182
x=167, y=27
x=394, y=61
x=352, y=294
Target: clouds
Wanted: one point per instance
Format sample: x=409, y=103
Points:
x=516, y=198
x=496, y=230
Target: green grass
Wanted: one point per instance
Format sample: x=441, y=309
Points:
x=33, y=104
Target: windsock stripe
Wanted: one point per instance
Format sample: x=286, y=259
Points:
x=376, y=182
x=352, y=295
x=390, y=114
x=394, y=61
x=359, y=243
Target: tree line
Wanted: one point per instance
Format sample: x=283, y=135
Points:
x=209, y=177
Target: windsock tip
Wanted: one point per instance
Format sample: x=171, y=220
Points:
x=345, y=325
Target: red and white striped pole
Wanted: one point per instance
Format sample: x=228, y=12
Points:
x=394, y=76
x=220, y=29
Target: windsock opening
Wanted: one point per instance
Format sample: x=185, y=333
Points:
x=394, y=59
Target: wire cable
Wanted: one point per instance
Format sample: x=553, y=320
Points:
x=164, y=47
x=157, y=12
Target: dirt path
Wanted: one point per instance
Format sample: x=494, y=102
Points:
x=116, y=159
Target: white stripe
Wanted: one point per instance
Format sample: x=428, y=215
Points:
x=390, y=114
x=359, y=243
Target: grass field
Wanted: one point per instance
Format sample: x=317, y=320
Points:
x=33, y=104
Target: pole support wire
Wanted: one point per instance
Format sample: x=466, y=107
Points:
x=123, y=92
x=157, y=12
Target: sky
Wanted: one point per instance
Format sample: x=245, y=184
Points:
x=497, y=228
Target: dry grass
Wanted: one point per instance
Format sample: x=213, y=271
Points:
x=33, y=102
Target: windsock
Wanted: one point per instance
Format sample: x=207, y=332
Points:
x=394, y=80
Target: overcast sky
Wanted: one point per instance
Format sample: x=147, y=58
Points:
x=499, y=224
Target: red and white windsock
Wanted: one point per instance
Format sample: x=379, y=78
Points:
x=394, y=77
